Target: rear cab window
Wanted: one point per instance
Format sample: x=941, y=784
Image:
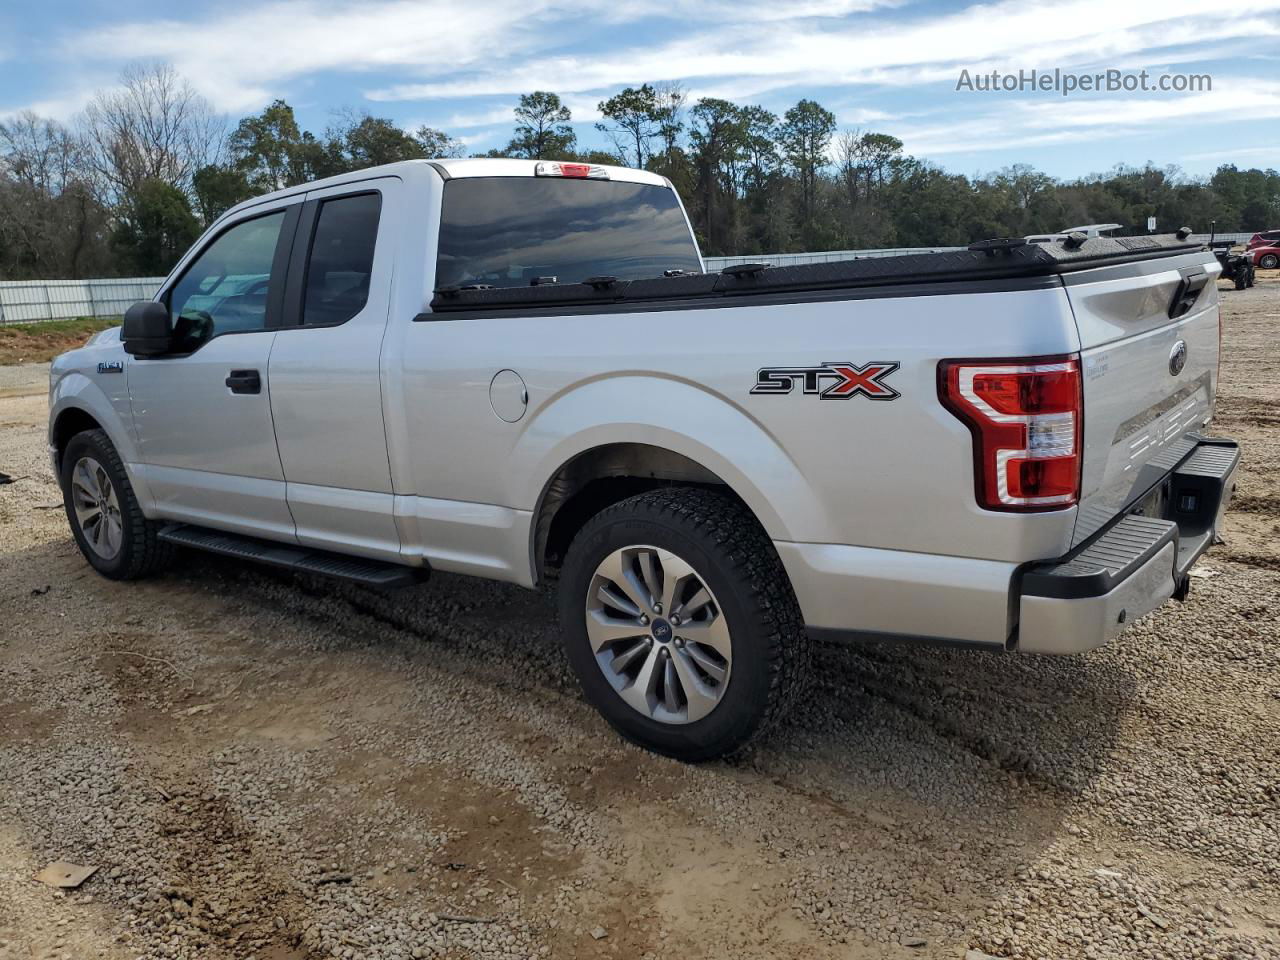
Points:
x=340, y=262
x=518, y=231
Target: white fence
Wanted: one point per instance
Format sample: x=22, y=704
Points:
x=30, y=301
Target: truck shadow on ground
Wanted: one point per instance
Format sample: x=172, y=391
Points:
x=899, y=715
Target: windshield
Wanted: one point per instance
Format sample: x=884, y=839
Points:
x=515, y=231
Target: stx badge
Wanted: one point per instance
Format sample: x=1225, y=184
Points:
x=831, y=381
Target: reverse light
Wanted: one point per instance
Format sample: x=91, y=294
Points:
x=580, y=171
x=1026, y=417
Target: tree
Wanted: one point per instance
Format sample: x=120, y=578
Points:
x=155, y=229
x=717, y=139
x=51, y=221
x=760, y=145
x=542, y=128
x=219, y=188
x=267, y=148
x=152, y=126
x=436, y=144
x=372, y=141
x=805, y=136
x=635, y=119
x=670, y=99
x=41, y=153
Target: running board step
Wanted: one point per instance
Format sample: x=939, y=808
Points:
x=374, y=573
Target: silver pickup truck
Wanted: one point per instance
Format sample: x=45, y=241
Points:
x=516, y=369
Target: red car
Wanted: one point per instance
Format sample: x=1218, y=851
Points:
x=1266, y=257
x=1264, y=238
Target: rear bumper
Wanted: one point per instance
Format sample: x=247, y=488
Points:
x=1081, y=601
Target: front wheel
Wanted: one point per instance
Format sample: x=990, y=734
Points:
x=106, y=520
x=1269, y=262
x=680, y=622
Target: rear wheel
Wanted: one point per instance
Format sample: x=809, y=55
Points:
x=680, y=622
x=105, y=518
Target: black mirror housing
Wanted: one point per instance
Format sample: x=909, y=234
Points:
x=148, y=329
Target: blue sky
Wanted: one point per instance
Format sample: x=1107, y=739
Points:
x=884, y=65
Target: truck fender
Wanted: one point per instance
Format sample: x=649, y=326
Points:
x=75, y=391
x=675, y=415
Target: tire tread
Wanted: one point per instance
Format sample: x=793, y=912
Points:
x=147, y=553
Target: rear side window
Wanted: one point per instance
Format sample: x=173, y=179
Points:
x=513, y=231
x=341, y=261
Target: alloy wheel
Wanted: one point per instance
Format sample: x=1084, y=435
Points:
x=658, y=634
x=97, y=508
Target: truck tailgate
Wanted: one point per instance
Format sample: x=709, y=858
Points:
x=1149, y=378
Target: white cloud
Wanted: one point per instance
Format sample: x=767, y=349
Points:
x=1044, y=122
x=444, y=53
x=905, y=51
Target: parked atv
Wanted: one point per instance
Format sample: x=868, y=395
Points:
x=1237, y=267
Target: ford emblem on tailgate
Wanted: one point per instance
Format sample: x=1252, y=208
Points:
x=1178, y=357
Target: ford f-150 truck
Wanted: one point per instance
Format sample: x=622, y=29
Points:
x=512, y=369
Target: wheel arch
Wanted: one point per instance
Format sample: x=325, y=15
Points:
x=67, y=424
x=599, y=477
x=624, y=434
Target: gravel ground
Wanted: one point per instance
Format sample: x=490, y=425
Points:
x=269, y=767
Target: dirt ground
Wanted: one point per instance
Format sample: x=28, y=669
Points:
x=23, y=343
x=262, y=766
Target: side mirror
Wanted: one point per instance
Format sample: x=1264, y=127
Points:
x=148, y=329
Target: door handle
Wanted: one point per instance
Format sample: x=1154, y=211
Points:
x=245, y=381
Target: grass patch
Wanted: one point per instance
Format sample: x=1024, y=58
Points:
x=41, y=342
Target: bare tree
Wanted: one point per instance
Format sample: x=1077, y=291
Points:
x=671, y=98
x=153, y=126
x=40, y=153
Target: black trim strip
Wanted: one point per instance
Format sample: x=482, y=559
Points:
x=747, y=298
x=295, y=289
x=280, y=267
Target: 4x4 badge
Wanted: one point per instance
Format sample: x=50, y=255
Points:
x=113, y=366
x=834, y=380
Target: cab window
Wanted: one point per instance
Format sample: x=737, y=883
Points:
x=340, y=264
x=224, y=290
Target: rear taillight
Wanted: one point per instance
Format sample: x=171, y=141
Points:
x=1026, y=417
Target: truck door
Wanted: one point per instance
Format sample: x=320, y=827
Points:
x=326, y=397
x=202, y=414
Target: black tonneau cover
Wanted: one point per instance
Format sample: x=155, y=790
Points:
x=1006, y=260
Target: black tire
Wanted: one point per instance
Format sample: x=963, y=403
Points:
x=141, y=553
x=1242, y=279
x=723, y=543
x=1269, y=262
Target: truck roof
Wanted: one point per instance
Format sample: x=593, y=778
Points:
x=449, y=169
